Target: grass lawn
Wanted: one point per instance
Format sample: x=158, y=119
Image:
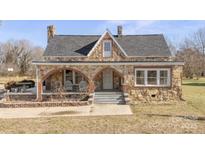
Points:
x=175, y=118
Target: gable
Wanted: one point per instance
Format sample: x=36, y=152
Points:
x=97, y=52
x=107, y=36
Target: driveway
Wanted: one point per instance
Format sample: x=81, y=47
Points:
x=91, y=110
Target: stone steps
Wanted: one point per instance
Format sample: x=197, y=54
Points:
x=109, y=97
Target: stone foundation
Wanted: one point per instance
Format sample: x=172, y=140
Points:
x=42, y=104
x=149, y=95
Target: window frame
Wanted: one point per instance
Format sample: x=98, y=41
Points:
x=107, y=41
x=158, y=77
x=74, y=74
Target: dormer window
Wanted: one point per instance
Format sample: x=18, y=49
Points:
x=107, y=48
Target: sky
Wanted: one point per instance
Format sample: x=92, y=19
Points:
x=36, y=30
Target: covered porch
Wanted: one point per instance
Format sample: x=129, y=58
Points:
x=76, y=80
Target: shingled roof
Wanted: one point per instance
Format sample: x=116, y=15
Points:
x=134, y=45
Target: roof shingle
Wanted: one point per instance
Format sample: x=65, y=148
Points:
x=134, y=45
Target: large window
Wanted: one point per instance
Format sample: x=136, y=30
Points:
x=152, y=77
x=107, y=48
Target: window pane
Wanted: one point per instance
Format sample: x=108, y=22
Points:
x=78, y=77
x=140, y=74
x=163, y=77
x=69, y=75
x=152, y=77
x=107, y=46
x=107, y=54
x=163, y=81
x=163, y=73
x=140, y=81
x=140, y=77
x=107, y=49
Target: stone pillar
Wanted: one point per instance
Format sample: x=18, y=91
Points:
x=39, y=86
x=125, y=88
x=91, y=87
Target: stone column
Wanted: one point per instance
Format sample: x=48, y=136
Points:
x=91, y=87
x=39, y=86
x=125, y=88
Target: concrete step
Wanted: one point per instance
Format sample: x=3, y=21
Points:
x=105, y=96
x=108, y=93
x=109, y=97
x=110, y=102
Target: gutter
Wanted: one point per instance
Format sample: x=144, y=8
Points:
x=142, y=63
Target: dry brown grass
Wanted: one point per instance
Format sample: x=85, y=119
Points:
x=5, y=79
x=146, y=119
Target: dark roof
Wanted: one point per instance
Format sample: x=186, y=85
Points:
x=133, y=45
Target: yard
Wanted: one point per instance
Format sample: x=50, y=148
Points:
x=175, y=118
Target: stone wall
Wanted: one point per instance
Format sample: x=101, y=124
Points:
x=136, y=94
x=97, y=54
x=157, y=94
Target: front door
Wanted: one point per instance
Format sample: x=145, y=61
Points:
x=107, y=79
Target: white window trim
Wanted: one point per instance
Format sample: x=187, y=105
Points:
x=158, y=77
x=107, y=41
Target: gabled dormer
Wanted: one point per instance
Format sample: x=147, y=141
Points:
x=107, y=48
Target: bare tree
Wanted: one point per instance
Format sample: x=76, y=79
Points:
x=171, y=45
x=1, y=54
x=193, y=62
x=199, y=43
x=18, y=53
x=37, y=53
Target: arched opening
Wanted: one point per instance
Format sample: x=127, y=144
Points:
x=108, y=79
x=66, y=80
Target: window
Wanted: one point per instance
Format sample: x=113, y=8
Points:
x=152, y=77
x=107, y=49
x=69, y=75
x=163, y=77
x=73, y=76
x=140, y=74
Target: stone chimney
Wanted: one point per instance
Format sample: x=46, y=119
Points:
x=51, y=30
x=119, y=31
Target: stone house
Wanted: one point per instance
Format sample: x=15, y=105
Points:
x=140, y=67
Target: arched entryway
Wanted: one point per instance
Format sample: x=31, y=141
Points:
x=108, y=79
x=65, y=79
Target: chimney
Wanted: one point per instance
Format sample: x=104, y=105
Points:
x=51, y=30
x=119, y=31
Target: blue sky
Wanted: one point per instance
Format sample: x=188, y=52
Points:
x=36, y=31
